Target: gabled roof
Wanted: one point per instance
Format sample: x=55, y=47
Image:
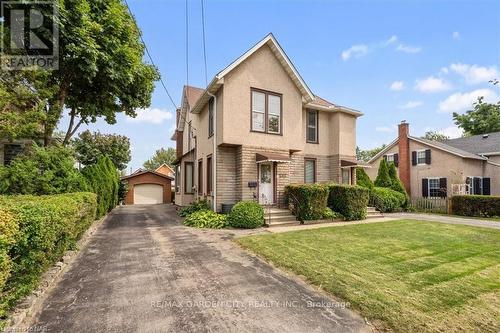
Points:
x=278, y=51
x=165, y=165
x=136, y=174
x=487, y=144
x=190, y=95
x=447, y=148
x=435, y=144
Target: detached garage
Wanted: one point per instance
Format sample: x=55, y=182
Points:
x=148, y=188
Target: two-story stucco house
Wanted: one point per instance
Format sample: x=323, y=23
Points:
x=469, y=165
x=256, y=128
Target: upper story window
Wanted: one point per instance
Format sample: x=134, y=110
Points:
x=421, y=157
x=211, y=106
x=312, y=126
x=390, y=158
x=190, y=135
x=266, y=112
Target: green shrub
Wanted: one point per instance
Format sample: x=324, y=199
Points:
x=308, y=200
x=247, y=215
x=193, y=207
x=206, y=219
x=103, y=180
x=42, y=170
x=8, y=234
x=362, y=178
x=383, y=179
x=45, y=227
x=476, y=205
x=397, y=184
x=386, y=200
x=350, y=201
x=331, y=215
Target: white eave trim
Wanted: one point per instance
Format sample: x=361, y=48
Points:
x=477, y=157
x=380, y=153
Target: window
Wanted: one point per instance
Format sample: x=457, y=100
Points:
x=188, y=177
x=266, y=112
x=390, y=158
x=421, y=157
x=434, y=188
x=312, y=126
x=10, y=152
x=190, y=135
x=345, y=176
x=211, y=117
x=209, y=174
x=309, y=170
x=200, y=177
x=178, y=178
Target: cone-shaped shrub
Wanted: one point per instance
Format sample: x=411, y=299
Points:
x=383, y=178
x=362, y=178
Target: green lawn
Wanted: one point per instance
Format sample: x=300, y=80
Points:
x=408, y=276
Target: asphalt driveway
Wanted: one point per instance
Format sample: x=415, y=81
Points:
x=144, y=272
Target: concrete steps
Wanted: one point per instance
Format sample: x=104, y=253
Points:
x=372, y=212
x=279, y=217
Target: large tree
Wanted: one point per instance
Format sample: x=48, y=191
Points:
x=90, y=147
x=435, y=136
x=160, y=156
x=366, y=155
x=101, y=68
x=483, y=118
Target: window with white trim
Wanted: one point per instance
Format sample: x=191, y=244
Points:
x=312, y=126
x=390, y=158
x=434, y=188
x=420, y=156
x=266, y=112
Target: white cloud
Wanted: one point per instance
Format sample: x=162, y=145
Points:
x=451, y=131
x=356, y=51
x=455, y=35
x=432, y=84
x=408, y=48
x=463, y=101
x=397, y=86
x=151, y=115
x=411, y=105
x=385, y=129
x=391, y=40
x=475, y=74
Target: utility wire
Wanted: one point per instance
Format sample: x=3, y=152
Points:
x=204, y=42
x=149, y=55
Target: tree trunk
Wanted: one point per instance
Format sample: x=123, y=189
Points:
x=54, y=112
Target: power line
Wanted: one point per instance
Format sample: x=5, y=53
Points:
x=204, y=42
x=149, y=55
x=187, y=45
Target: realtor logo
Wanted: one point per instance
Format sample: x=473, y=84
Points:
x=30, y=35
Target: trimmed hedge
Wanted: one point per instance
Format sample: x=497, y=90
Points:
x=206, y=219
x=247, y=215
x=309, y=200
x=386, y=200
x=35, y=233
x=476, y=205
x=350, y=201
x=103, y=179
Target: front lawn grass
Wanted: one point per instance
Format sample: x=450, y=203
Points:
x=408, y=276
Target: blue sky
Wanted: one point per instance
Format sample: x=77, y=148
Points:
x=393, y=60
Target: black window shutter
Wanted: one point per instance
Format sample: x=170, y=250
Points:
x=396, y=160
x=443, y=192
x=486, y=186
x=477, y=185
x=427, y=156
x=425, y=187
x=413, y=158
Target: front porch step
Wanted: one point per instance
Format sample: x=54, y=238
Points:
x=282, y=223
x=273, y=219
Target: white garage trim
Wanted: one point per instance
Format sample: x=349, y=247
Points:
x=148, y=194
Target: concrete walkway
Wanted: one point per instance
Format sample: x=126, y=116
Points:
x=144, y=272
x=447, y=219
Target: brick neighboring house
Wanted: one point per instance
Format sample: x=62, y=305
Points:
x=469, y=165
x=256, y=128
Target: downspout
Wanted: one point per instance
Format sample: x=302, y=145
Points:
x=214, y=154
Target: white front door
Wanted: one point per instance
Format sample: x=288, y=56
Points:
x=266, y=193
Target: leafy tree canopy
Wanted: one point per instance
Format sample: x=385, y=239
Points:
x=435, y=136
x=366, y=155
x=483, y=118
x=90, y=147
x=160, y=156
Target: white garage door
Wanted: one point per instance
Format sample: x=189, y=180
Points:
x=148, y=194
